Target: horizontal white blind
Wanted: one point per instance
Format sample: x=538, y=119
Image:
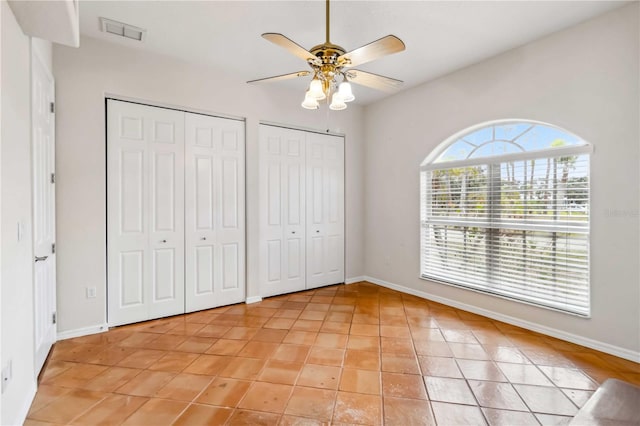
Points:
x=518, y=229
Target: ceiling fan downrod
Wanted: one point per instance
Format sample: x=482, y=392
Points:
x=327, y=22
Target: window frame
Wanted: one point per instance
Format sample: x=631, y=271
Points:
x=429, y=164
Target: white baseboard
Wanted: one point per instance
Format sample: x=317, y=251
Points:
x=84, y=331
x=543, y=329
x=253, y=299
x=21, y=415
x=355, y=279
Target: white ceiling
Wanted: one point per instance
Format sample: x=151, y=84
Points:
x=440, y=36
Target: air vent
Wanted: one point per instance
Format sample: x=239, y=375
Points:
x=123, y=30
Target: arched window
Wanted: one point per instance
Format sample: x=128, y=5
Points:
x=505, y=210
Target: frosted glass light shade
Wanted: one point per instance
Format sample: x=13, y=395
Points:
x=337, y=103
x=315, y=89
x=345, y=91
x=309, y=101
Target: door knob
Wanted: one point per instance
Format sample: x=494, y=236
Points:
x=41, y=258
x=163, y=241
x=317, y=230
x=203, y=238
x=293, y=232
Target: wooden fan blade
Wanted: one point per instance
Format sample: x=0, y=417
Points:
x=281, y=77
x=372, y=51
x=375, y=81
x=290, y=45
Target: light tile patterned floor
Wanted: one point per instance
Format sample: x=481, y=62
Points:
x=356, y=354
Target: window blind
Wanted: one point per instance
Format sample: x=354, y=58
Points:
x=517, y=228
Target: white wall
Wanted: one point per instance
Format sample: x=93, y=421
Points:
x=83, y=76
x=44, y=51
x=584, y=79
x=16, y=263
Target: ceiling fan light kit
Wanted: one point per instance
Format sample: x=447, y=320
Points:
x=329, y=62
x=337, y=103
x=345, y=91
x=310, y=102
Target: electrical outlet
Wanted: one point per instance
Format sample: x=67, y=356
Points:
x=7, y=374
x=91, y=292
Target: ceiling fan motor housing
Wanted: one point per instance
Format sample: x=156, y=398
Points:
x=328, y=55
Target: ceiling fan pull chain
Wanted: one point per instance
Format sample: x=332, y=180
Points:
x=327, y=116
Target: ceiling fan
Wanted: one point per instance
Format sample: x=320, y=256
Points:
x=330, y=62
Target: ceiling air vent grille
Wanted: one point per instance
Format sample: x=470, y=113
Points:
x=123, y=30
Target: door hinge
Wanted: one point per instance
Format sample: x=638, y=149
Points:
x=52, y=107
x=53, y=248
x=54, y=318
x=53, y=178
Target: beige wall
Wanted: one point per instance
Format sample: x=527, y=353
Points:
x=83, y=76
x=583, y=79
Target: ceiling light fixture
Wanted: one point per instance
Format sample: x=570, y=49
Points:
x=330, y=62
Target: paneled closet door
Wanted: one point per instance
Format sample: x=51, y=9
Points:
x=325, y=210
x=215, y=221
x=282, y=210
x=145, y=210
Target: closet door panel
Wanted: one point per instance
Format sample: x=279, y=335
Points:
x=230, y=266
x=166, y=236
x=131, y=279
x=274, y=262
x=144, y=208
x=325, y=214
x=131, y=199
x=203, y=270
x=231, y=234
x=203, y=192
x=164, y=197
x=282, y=210
x=271, y=241
x=334, y=208
x=315, y=256
x=215, y=234
x=229, y=194
x=127, y=207
x=164, y=279
x=294, y=234
x=315, y=220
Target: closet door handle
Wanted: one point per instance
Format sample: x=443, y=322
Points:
x=317, y=231
x=41, y=258
x=163, y=241
x=293, y=232
x=203, y=238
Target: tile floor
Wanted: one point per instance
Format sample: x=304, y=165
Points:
x=356, y=354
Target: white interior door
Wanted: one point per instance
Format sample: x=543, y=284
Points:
x=214, y=222
x=325, y=210
x=282, y=210
x=44, y=230
x=145, y=212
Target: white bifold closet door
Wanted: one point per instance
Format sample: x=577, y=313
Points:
x=325, y=210
x=301, y=210
x=145, y=208
x=175, y=212
x=215, y=222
